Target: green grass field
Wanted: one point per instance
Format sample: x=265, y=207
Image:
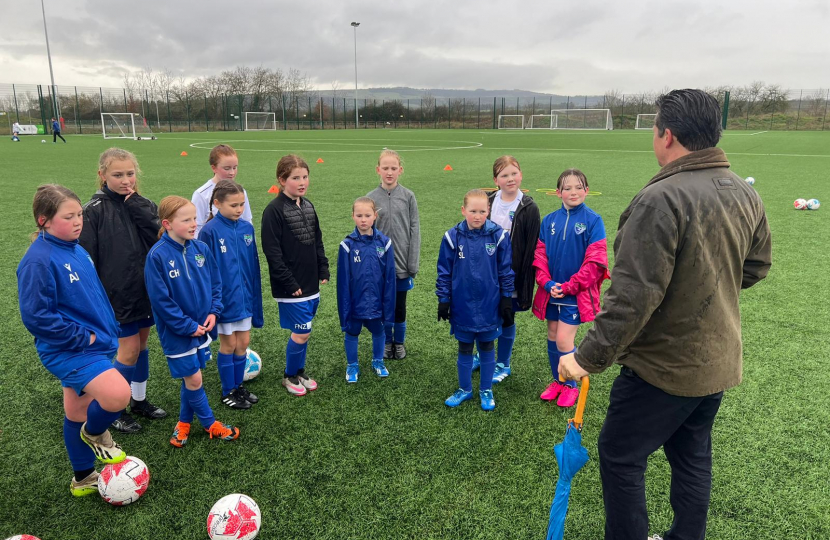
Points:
x=386, y=459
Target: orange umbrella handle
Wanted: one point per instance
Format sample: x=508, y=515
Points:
x=576, y=421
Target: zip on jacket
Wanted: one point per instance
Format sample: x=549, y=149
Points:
x=233, y=246
x=366, y=278
x=185, y=287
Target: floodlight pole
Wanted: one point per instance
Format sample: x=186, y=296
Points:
x=356, y=116
x=49, y=56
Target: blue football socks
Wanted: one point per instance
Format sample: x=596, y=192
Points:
x=350, y=344
x=98, y=419
x=572, y=384
x=387, y=328
x=400, y=332
x=465, y=372
x=185, y=410
x=553, y=358
x=488, y=367
x=199, y=402
x=239, y=369
x=378, y=344
x=81, y=456
x=505, y=344
x=224, y=363
x=295, y=354
x=142, y=367
x=128, y=372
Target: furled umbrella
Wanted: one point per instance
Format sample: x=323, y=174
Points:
x=571, y=456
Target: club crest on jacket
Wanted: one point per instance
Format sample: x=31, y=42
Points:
x=200, y=260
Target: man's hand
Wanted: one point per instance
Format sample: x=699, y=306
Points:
x=569, y=369
x=443, y=311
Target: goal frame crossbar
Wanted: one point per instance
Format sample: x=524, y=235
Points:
x=566, y=114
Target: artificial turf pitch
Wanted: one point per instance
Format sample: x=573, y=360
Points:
x=386, y=458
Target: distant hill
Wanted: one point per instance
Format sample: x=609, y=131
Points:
x=404, y=92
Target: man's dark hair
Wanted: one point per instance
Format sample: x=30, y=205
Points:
x=693, y=116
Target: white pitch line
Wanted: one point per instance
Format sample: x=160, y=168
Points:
x=759, y=132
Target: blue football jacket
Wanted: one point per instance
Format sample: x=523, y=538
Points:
x=366, y=278
x=62, y=302
x=184, y=286
x=233, y=246
x=474, y=272
x=567, y=235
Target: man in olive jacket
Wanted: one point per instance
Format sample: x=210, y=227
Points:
x=690, y=240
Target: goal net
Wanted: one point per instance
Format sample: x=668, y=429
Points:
x=645, y=121
x=583, y=119
x=511, y=121
x=126, y=126
x=542, y=121
x=260, y=121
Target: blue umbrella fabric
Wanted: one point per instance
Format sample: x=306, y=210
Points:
x=571, y=456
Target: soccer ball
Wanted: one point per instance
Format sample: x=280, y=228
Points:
x=813, y=204
x=800, y=204
x=750, y=180
x=123, y=483
x=253, y=365
x=43, y=140
x=23, y=537
x=235, y=517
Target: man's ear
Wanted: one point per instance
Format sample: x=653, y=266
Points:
x=669, y=136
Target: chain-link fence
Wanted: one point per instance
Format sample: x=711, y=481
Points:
x=80, y=108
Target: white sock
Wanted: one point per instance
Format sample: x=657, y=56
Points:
x=139, y=390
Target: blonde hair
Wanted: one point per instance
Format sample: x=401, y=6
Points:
x=364, y=200
x=48, y=199
x=288, y=163
x=475, y=193
x=218, y=152
x=390, y=153
x=168, y=208
x=502, y=163
x=115, y=154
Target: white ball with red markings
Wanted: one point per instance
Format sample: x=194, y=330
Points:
x=123, y=483
x=23, y=537
x=800, y=204
x=234, y=517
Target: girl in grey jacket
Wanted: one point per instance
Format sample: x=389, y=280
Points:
x=398, y=219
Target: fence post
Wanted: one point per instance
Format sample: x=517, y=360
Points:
x=822, y=121
x=494, y=112
x=78, y=112
x=207, y=119
x=478, y=117
x=16, y=110
x=798, y=114
x=187, y=109
x=449, y=113
x=772, y=115
x=101, y=104
x=725, y=115
x=169, y=122
x=408, y=122
x=126, y=109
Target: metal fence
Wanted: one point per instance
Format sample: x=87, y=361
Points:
x=81, y=108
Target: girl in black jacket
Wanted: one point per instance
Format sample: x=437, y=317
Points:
x=518, y=214
x=120, y=226
x=293, y=246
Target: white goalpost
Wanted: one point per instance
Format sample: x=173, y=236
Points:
x=260, y=121
x=645, y=121
x=583, y=119
x=511, y=121
x=126, y=126
x=542, y=121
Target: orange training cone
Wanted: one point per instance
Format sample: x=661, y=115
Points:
x=184, y=153
x=319, y=160
x=447, y=168
x=274, y=189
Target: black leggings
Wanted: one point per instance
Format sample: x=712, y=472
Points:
x=55, y=135
x=400, y=306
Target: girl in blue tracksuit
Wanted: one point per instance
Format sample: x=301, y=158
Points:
x=366, y=287
x=186, y=294
x=231, y=241
x=474, y=288
x=65, y=307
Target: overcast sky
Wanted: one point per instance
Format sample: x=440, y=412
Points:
x=581, y=46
